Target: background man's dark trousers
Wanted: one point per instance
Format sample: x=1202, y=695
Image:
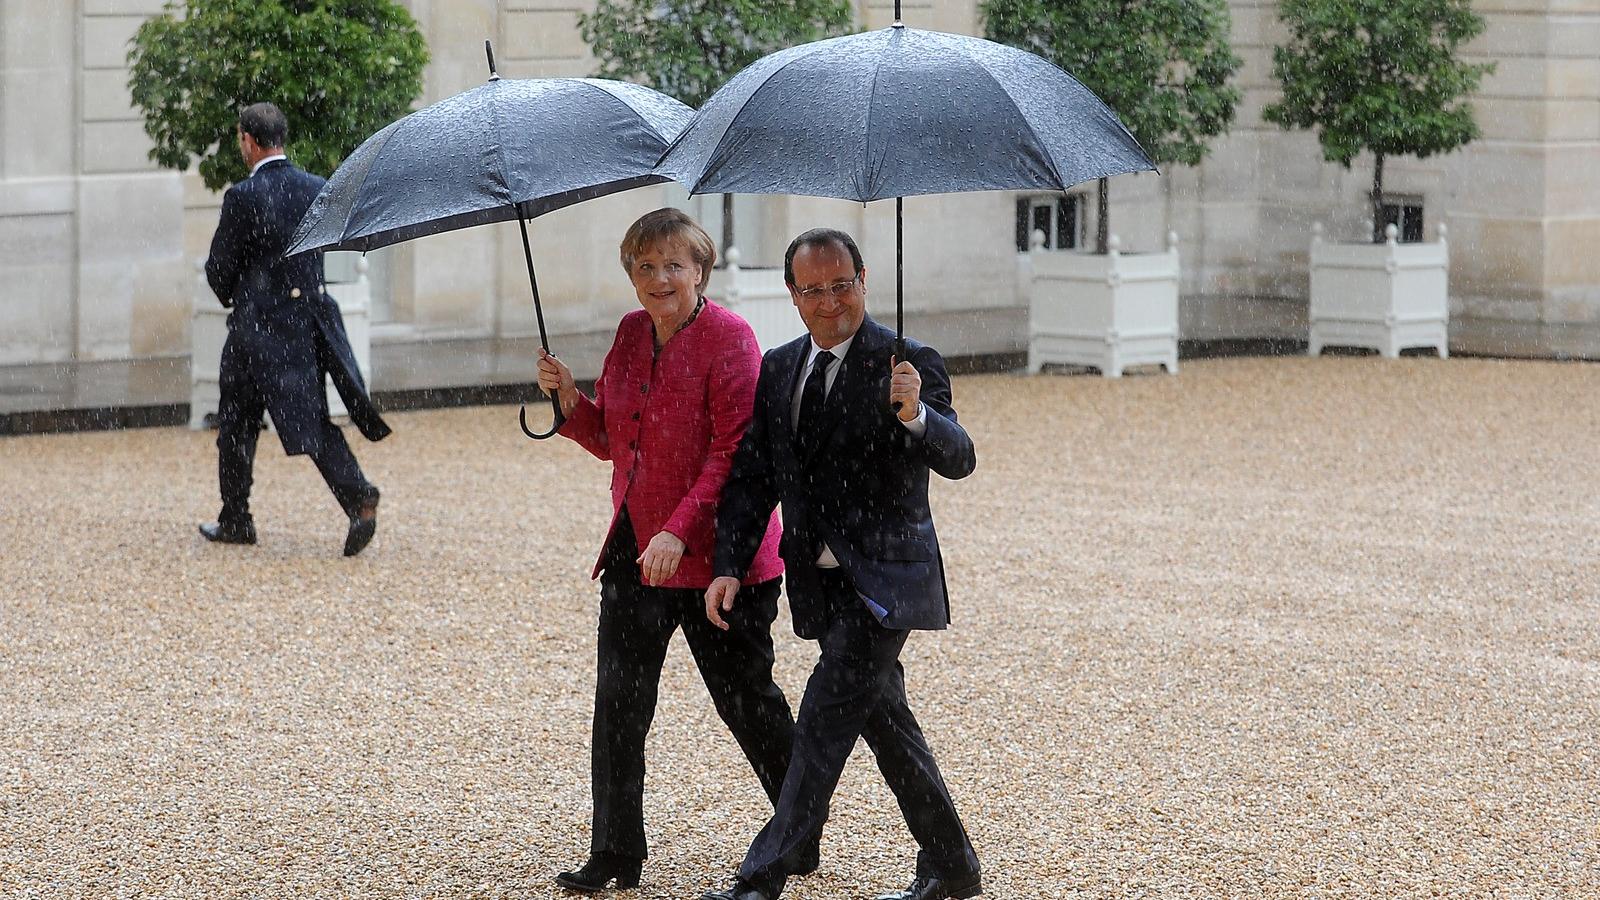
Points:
x=239, y=419
x=858, y=690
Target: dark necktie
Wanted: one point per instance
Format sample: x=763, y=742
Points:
x=808, y=434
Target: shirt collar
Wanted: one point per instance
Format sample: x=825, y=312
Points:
x=258, y=165
x=838, y=350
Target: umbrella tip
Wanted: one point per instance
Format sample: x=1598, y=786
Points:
x=488, y=50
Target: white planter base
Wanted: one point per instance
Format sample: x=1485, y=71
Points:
x=1388, y=338
x=1386, y=297
x=1109, y=312
x=1111, y=353
x=760, y=297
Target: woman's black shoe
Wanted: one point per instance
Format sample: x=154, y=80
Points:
x=600, y=870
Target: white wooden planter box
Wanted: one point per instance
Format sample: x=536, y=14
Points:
x=1109, y=312
x=347, y=284
x=1385, y=297
x=761, y=297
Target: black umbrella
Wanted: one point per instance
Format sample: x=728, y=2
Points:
x=508, y=149
x=896, y=113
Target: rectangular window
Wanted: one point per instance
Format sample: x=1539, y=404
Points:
x=1059, y=217
x=1404, y=213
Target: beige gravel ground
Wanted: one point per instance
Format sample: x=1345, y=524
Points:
x=1269, y=628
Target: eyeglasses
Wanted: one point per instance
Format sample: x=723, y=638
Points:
x=837, y=289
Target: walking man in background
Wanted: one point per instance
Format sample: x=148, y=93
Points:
x=284, y=333
x=861, y=556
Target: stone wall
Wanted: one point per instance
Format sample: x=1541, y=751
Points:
x=97, y=245
x=91, y=250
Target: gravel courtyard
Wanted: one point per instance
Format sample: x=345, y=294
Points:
x=1269, y=628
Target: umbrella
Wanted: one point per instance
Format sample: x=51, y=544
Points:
x=508, y=149
x=896, y=113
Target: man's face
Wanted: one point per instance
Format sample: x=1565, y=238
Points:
x=831, y=299
x=246, y=144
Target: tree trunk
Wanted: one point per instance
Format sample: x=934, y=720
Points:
x=727, y=226
x=1377, y=201
x=1102, y=225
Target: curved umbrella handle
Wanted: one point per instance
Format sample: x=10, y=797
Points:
x=555, y=405
x=538, y=311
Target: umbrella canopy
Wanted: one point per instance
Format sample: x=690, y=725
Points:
x=508, y=149
x=896, y=113
x=505, y=150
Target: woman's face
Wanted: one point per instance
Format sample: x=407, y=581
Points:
x=666, y=278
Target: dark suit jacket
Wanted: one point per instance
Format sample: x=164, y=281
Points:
x=864, y=491
x=284, y=332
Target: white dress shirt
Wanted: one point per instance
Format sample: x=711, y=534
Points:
x=257, y=167
x=917, y=426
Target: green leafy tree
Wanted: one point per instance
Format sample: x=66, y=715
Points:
x=689, y=48
x=339, y=69
x=1162, y=65
x=1379, y=75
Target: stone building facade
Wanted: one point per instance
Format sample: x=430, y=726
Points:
x=97, y=245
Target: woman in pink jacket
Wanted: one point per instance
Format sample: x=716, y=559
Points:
x=672, y=401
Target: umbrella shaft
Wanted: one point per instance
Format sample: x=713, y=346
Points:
x=533, y=281
x=899, y=267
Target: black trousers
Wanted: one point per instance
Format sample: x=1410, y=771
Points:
x=636, y=625
x=239, y=425
x=858, y=690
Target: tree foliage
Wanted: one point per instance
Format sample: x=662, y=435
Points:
x=339, y=69
x=1162, y=65
x=1378, y=75
x=689, y=48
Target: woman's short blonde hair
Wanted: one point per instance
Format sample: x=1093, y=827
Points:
x=665, y=226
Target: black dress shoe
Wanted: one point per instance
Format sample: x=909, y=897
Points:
x=229, y=533
x=930, y=887
x=739, y=890
x=600, y=870
x=363, y=525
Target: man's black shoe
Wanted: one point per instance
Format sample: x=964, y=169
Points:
x=226, y=533
x=809, y=862
x=599, y=871
x=363, y=525
x=929, y=887
x=739, y=890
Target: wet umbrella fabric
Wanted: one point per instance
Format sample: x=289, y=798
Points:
x=504, y=150
x=508, y=149
x=897, y=113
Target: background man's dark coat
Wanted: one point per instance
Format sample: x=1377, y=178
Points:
x=284, y=331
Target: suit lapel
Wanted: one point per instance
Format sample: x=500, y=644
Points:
x=784, y=407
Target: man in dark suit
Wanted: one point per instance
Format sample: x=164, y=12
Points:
x=284, y=334
x=849, y=461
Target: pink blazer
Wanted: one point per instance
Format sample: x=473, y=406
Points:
x=670, y=426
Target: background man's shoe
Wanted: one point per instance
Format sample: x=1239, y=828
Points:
x=226, y=533
x=599, y=871
x=929, y=887
x=739, y=890
x=363, y=525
